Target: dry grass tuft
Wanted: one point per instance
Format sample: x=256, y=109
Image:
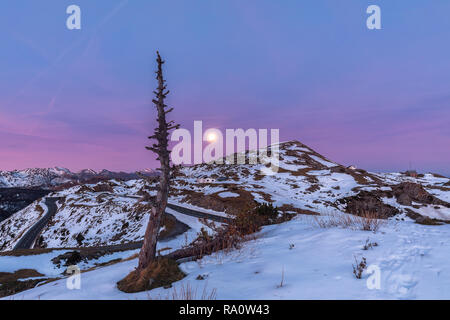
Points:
x=186, y=292
x=367, y=221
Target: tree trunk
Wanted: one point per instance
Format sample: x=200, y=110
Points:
x=148, y=250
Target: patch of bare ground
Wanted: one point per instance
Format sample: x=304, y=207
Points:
x=280, y=169
x=232, y=205
x=368, y=201
x=103, y=187
x=286, y=208
x=89, y=252
x=409, y=192
x=313, y=188
x=424, y=220
x=406, y=193
x=441, y=188
x=304, y=173
x=437, y=175
x=313, y=164
x=12, y=283
x=83, y=189
x=266, y=197
x=360, y=176
x=25, y=252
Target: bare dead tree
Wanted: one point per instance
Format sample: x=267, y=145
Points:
x=161, y=135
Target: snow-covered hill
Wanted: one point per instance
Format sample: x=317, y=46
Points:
x=115, y=212
x=307, y=182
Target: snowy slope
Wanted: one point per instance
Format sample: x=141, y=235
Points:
x=413, y=261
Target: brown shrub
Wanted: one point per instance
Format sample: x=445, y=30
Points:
x=246, y=223
x=188, y=293
x=225, y=238
x=359, y=267
x=370, y=221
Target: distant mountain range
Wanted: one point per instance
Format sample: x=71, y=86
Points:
x=51, y=178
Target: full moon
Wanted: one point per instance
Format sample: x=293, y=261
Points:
x=211, y=137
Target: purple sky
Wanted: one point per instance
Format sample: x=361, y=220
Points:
x=81, y=99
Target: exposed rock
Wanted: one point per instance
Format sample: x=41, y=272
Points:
x=80, y=238
x=409, y=192
x=68, y=258
x=406, y=194
x=367, y=202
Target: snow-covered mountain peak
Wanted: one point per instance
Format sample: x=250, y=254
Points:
x=48, y=178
